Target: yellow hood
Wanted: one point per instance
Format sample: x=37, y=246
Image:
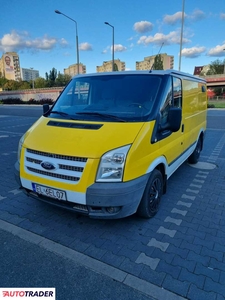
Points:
x=65, y=138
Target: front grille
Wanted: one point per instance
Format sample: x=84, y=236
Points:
x=50, y=174
x=57, y=156
x=66, y=168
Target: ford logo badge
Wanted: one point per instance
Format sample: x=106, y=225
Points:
x=48, y=166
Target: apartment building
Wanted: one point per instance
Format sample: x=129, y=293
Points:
x=72, y=70
x=147, y=63
x=10, y=66
x=107, y=66
x=29, y=74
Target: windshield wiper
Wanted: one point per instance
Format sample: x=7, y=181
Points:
x=101, y=115
x=59, y=113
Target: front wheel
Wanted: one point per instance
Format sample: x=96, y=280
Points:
x=194, y=157
x=150, y=201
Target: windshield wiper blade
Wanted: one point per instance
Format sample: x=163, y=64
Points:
x=101, y=115
x=59, y=113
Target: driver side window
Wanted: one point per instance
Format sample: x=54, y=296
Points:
x=173, y=98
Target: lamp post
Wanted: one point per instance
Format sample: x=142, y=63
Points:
x=60, y=13
x=181, y=34
x=32, y=78
x=224, y=65
x=112, y=44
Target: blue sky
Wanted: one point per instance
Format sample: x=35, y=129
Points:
x=44, y=39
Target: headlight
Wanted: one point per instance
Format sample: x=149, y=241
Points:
x=20, y=147
x=112, y=165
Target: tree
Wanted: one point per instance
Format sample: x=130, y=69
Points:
x=40, y=83
x=62, y=79
x=51, y=77
x=158, y=63
x=11, y=85
x=216, y=67
x=24, y=85
x=3, y=81
x=115, y=67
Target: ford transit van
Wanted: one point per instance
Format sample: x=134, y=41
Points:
x=108, y=145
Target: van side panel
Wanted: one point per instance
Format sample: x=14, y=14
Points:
x=194, y=111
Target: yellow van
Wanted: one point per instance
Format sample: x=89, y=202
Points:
x=111, y=140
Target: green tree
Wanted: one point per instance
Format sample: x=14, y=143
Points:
x=62, y=79
x=158, y=63
x=51, y=77
x=216, y=67
x=3, y=81
x=24, y=85
x=11, y=85
x=40, y=83
x=115, y=67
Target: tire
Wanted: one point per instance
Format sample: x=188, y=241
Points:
x=194, y=157
x=150, y=201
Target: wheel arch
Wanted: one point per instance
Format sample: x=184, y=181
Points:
x=161, y=165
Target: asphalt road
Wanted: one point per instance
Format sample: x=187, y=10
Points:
x=179, y=254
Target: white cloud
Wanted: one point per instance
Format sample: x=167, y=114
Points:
x=119, y=48
x=16, y=41
x=193, y=52
x=143, y=26
x=85, y=47
x=197, y=15
x=173, y=19
x=172, y=38
x=177, y=17
x=217, y=51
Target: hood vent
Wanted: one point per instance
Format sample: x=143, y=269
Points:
x=75, y=125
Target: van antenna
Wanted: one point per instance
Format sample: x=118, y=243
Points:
x=156, y=55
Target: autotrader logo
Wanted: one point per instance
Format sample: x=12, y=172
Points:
x=27, y=293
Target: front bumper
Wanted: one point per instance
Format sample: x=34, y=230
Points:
x=103, y=200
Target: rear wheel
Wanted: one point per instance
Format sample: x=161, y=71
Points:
x=194, y=157
x=149, y=205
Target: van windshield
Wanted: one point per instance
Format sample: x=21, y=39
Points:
x=109, y=98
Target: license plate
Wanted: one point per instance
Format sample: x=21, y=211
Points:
x=49, y=192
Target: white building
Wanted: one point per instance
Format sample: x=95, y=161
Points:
x=29, y=74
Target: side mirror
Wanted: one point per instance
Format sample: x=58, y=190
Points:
x=45, y=108
x=174, y=118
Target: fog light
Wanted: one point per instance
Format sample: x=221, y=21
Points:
x=112, y=209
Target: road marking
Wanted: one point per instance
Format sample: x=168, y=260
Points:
x=184, y=204
x=169, y=232
x=184, y=196
x=178, y=211
x=172, y=220
x=162, y=246
x=15, y=192
x=149, y=261
x=192, y=191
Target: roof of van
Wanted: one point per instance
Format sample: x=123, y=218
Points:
x=180, y=74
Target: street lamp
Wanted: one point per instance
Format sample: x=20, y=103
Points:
x=181, y=34
x=112, y=44
x=60, y=13
x=224, y=65
x=32, y=78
